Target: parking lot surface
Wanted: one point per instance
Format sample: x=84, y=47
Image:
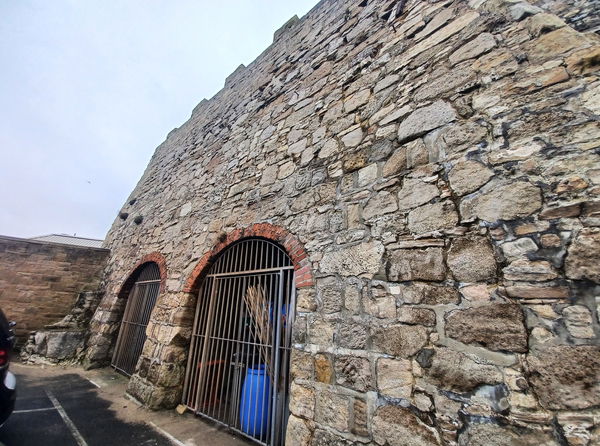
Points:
x=69, y=407
x=66, y=411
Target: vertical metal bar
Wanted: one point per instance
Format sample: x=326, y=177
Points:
x=206, y=340
x=227, y=370
x=217, y=381
x=238, y=355
x=192, y=350
x=277, y=353
x=200, y=339
x=210, y=360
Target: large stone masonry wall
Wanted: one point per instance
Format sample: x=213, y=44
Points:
x=438, y=161
x=40, y=282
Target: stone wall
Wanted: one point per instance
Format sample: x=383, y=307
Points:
x=40, y=282
x=438, y=161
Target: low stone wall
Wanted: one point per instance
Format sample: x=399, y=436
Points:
x=40, y=282
x=63, y=341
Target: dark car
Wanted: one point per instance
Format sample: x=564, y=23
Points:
x=8, y=381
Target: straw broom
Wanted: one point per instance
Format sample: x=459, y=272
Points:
x=257, y=305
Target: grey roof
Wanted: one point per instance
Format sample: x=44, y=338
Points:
x=69, y=240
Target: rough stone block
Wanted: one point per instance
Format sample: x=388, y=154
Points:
x=561, y=376
x=433, y=217
x=362, y=259
x=398, y=426
x=502, y=202
x=394, y=377
x=353, y=372
x=581, y=262
x=399, y=340
x=472, y=259
x=417, y=264
x=425, y=119
x=494, y=326
x=455, y=371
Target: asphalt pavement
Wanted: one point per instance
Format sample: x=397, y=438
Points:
x=66, y=410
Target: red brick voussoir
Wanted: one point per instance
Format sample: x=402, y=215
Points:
x=155, y=257
x=268, y=231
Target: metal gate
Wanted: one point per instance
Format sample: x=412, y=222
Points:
x=132, y=334
x=238, y=365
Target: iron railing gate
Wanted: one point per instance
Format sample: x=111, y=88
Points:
x=132, y=333
x=238, y=366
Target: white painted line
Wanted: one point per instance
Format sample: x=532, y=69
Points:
x=166, y=434
x=34, y=410
x=74, y=431
x=94, y=383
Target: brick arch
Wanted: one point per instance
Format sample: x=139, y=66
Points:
x=290, y=243
x=154, y=257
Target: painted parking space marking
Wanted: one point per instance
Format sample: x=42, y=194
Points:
x=166, y=434
x=94, y=383
x=43, y=409
x=74, y=431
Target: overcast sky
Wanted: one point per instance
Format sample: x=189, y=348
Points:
x=89, y=88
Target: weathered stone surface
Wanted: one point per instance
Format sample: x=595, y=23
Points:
x=433, y=217
x=356, y=100
x=426, y=294
x=418, y=316
x=554, y=43
x=353, y=138
x=479, y=45
x=472, y=259
x=323, y=369
x=302, y=401
x=582, y=258
x=332, y=410
x=538, y=291
x=326, y=438
x=495, y=326
x=301, y=365
x=396, y=163
x=417, y=264
x=329, y=294
x=502, y=202
x=398, y=426
x=354, y=372
x=526, y=270
x=455, y=371
x=449, y=81
x=425, y=119
x=381, y=305
x=468, y=176
x=380, y=204
x=561, y=376
x=399, y=340
x=518, y=248
x=394, y=377
x=361, y=259
x=416, y=192
x=321, y=332
x=298, y=432
x=489, y=434
x=578, y=320
x=352, y=335
x=60, y=345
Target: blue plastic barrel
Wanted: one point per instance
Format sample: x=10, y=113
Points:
x=255, y=412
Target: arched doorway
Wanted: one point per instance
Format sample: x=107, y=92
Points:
x=238, y=365
x=132, y=334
